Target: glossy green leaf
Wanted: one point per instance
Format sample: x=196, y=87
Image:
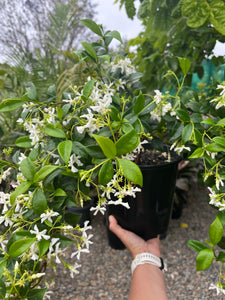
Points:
x=43, y=246
x=216, y=231
x=89, y=49
x=33, y=154
x=214, y=147
x=130, y=8
x=60, y=193
x=32, y=92
x=199, y=152
x=28, y=169
x=39, y=202
x=88, y=88
x=72, y=219
x=139, y=103
x=221, y=122
x=106, y=173
x=217, y=15
x=21, y=189
x=44, y=172
x=221, y=257
x=64, y=240
x=107, y=145
x=92, y=25
x=53, y=131
x=36, y=294
x=196, y=245
x=131, y=171
x=196, y=11
x=209, y=121
x=221, y=215
x=19, y=247
x=114, y=34
x=204, y=259
x=187, y=132
x=11, y=104
x=24, y=142
x=64, y=149
x=219, y=140
x=3, y=265
x=185, y=64
x=183, y=115
x=127, y=143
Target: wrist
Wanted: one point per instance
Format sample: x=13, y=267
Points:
x=147, y=258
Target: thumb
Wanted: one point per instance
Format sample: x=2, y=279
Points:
x=115, y=227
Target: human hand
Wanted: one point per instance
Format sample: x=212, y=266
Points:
x=134, y=243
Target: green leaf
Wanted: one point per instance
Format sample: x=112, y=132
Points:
x=64, y=149
x=217, y=15
x=219, y=140
x=114, y=34
x=33, y=154
x=130, y=8
x=183, y=115
x=21, y=189
x=185, y=64
x=131, y=171
x=64, y=241
x=60, y=193
x=19, y=247
x=11, y=104
x=221, y=257
x=53, y=131
x=199, y=152
x=88, y=88
x=36, y=294
x=196, y=118
x=196, y=245
x=221, y=243
x=24, y=142
x=204, y=259
x=27, y=168
x=221, y=215
x=208, y=121
x=44, y=172
x=221, y=122
x=139, y=103
x=127, y=143
x=3, y=265
x=214, y=147
x=106, y=173
x=72, y=219
x=89, y=49
x=39, y=202
x=43, y=246
x=2, y=289
x=92, y=25
x=196, y=11
x=32, y=92
x=107, y=145
x=187, y=132
x=216, y=231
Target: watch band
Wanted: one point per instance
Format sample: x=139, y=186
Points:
x=147, y=258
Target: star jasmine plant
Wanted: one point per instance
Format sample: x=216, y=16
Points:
x=84, y=144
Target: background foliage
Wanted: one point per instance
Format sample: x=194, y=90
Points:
x=176, y=28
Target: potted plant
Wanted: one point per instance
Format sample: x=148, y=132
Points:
x=65, y=150
x=73, y=148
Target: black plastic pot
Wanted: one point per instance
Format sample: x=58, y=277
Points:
x=150, y=211
x=79, y=214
